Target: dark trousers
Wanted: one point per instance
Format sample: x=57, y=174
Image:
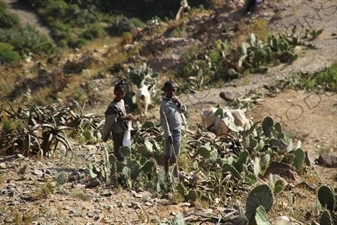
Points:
x=118, y=142
x=251, y=6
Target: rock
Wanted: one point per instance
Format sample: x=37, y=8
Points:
x=306, y=186
x=8, y=220
x=106, y=193
x=282, y=169
x=283, y=220
x=73, y=213
x=3, y=166
x=309, y=158
x=327, y=160
x=93, y=183
x=227, y=96
x=37, y=172
x=74, y=176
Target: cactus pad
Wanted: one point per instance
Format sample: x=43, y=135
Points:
x=260, y=196
x=299, y=158
x=261, y=216
x=326, y=197
x=267, y=126
x=326, y=218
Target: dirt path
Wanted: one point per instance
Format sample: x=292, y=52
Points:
x=27, y=15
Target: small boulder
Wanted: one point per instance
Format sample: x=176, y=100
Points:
x=327, y=160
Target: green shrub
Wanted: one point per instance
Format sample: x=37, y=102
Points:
x=3, y=7
x=327, y=78
x=120, y=25
x=77, y=42
x=7, y=54
x=137, y=22
x=23, y=40
x=8, y=20
x=94, y=31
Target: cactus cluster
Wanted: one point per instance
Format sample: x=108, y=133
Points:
x=327, y=198
x=142, y=76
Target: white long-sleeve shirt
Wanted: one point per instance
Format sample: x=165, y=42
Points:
x=170, y=116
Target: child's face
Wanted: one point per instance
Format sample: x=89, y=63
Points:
x=170, y=91
x=119, y=94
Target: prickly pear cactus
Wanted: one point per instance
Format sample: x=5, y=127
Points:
x=125, y=152
x=326, y=218
x=326, y=197
x=204, y=152
x=192, y=195
x=134, y=166
x=299, y=158
x=260, y=196
x=261, y=216
x=149, y=166
x=181, y=190
x=62, y=178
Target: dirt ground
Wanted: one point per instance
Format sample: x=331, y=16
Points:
x=309, y=117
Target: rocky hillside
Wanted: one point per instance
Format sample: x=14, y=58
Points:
x=78, y=183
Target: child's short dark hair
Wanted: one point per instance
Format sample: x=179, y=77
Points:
x=120, y=85
x=169, y=83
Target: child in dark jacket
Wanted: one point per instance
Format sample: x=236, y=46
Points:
x=116, y=120
x=171, y=122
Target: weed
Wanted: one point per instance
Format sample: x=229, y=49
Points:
x=176, y=197
x=326, y=79
x=126, y=38
x=81, y=195
x=42, y=191
x=203, y=203
x=246, y=79
x=179, y=31
x=142, y=217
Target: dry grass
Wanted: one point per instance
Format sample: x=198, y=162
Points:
x=258, y=27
